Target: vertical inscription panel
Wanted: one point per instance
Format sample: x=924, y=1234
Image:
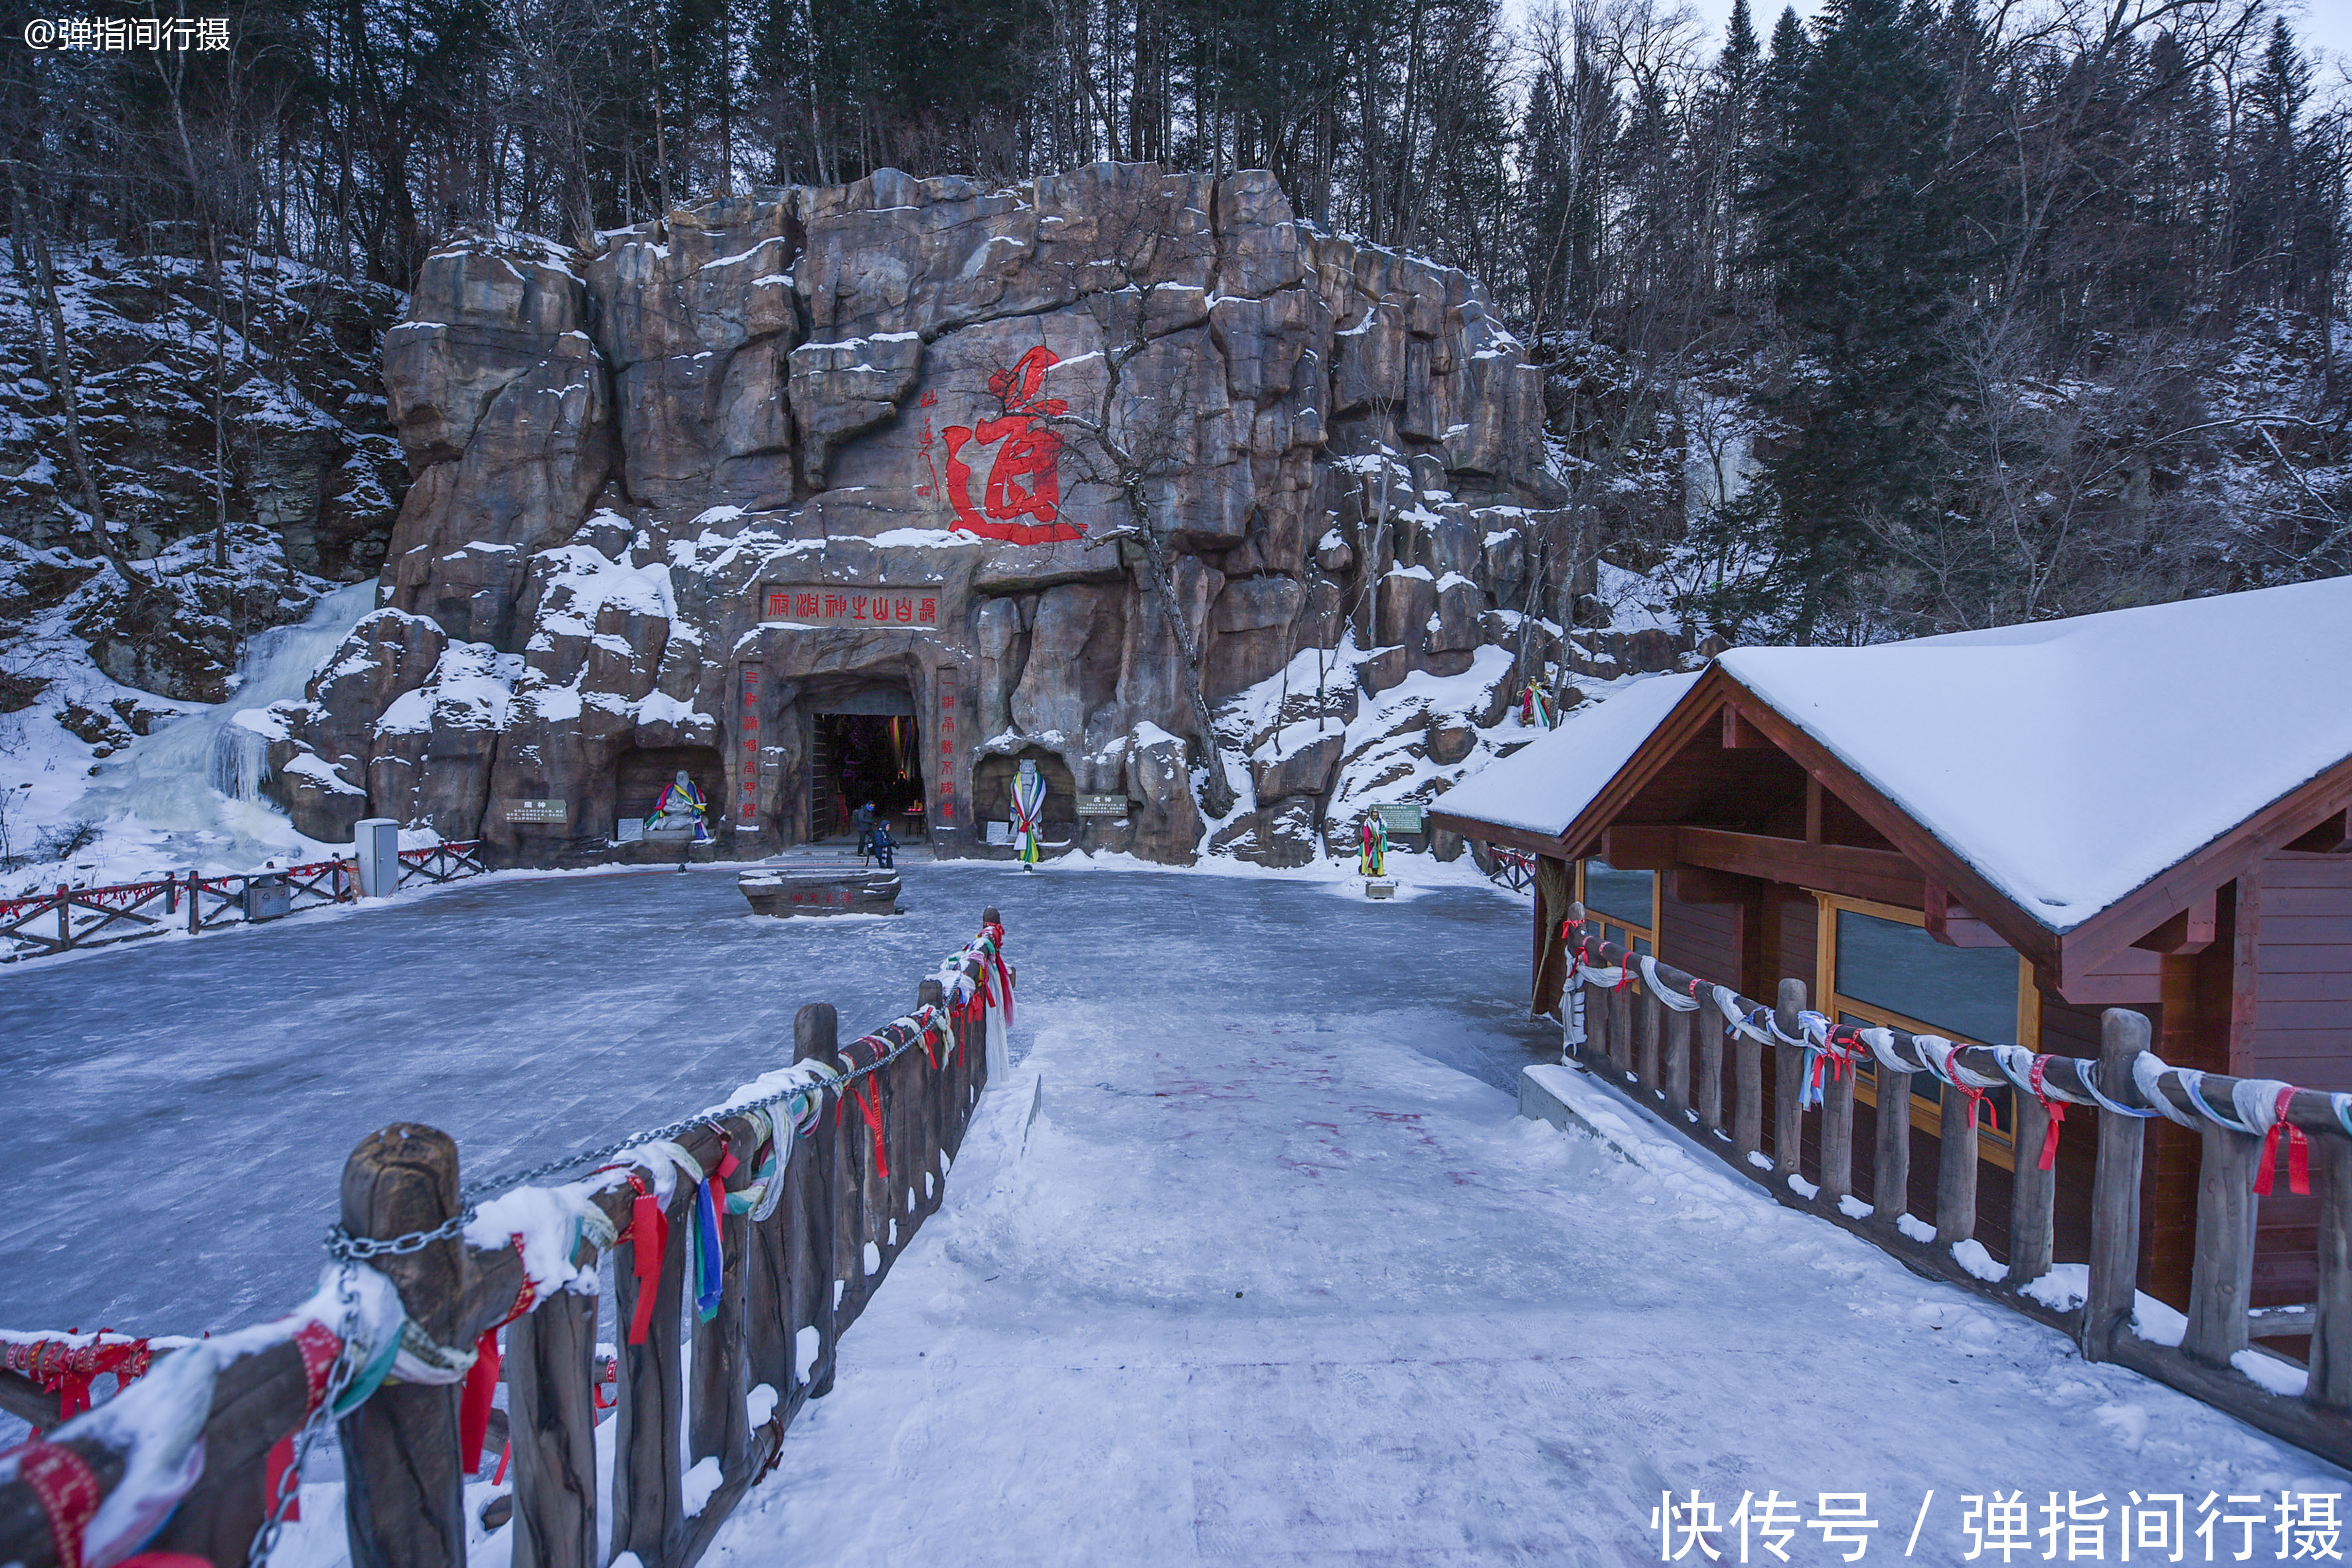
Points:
x=949, y=818
x=747, y=750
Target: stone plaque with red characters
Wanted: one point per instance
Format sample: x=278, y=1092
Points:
x=910, y=609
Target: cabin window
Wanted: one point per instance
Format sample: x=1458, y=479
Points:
x=1625, y=903
x=1878, y=966
x=1968, y=992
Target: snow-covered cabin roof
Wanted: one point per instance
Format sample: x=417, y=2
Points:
x=2067, y=761
x=2071, y=761
x=1544, y=785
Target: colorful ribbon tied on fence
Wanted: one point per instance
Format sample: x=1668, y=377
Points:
x=1029, y=815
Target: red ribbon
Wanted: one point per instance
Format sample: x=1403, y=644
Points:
x=646, y=1222
x=482, y=1377
x=319, y=1347
x=67, y=1370
x=2298, y=1150
x=68, y=1492
x=870, y=1105
x=2055, y=1110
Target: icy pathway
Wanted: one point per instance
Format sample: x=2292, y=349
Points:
x=1271, y=1285
x=178, y=1109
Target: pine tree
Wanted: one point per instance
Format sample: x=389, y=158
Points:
x=1862, y=241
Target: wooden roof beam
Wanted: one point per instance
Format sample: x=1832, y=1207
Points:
x=2332, y=836
x=2189, y=930
x=1739, y=735
x=1954, y=926
x=1879, y=875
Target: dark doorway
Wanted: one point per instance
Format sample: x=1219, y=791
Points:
x=859, y=759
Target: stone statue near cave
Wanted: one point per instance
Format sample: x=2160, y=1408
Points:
x=680, y=813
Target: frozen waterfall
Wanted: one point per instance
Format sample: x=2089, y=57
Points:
x=196, y=782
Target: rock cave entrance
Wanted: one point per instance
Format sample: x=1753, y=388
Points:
x=865, y=747
x=643, y=771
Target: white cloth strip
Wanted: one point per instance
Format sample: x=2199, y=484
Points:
x=1727, y=1002
x=2147, y=1072
x=2256, y=1101
x=1881, y=1041
x=1681, y=1002
x=2017, y=1065
x=1607, y=979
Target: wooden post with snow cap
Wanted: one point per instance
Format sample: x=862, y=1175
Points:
x=2114, y=1190
x=550, y=1395
x=718, y=1425
x=2034, y=1193
x=404, y=1496
x=648, y=1484
x=936, y=1109
x=812, y=1200
x=1789, y=1086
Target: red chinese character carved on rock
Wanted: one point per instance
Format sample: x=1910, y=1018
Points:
x=1022, y=497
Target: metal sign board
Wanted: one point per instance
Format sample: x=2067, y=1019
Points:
x=1411, y=817
x=554, y=810
x=1102, y=806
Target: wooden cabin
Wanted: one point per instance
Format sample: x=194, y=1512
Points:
x=1991, y=835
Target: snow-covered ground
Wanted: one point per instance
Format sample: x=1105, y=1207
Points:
x=1277, y=1275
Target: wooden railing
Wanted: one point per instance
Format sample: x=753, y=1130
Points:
x=847, y=1152
x=1672, y=1062
x=1509, y=868
x=73, y=918
x=441, y=863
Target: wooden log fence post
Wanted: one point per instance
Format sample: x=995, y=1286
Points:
x=937, y=1110
x=1622, y=1046
x=1955, y=1169
x=1837, y=1136
x=820, y=1210
x=1747, y=1098
x=1677, y=1061
x=2033, y=1195
x=403, y=1500
x=1649, y=1027
x=2114, y=1190
x=1709, y=1024
x=2331, y=1338
x=1787, y=1110
x=719, y=1424
x=649, y=1483
x=551, y=1403
x=2222, y=1275
x=1890, y=1169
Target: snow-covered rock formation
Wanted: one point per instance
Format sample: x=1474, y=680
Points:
x=881, y=448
